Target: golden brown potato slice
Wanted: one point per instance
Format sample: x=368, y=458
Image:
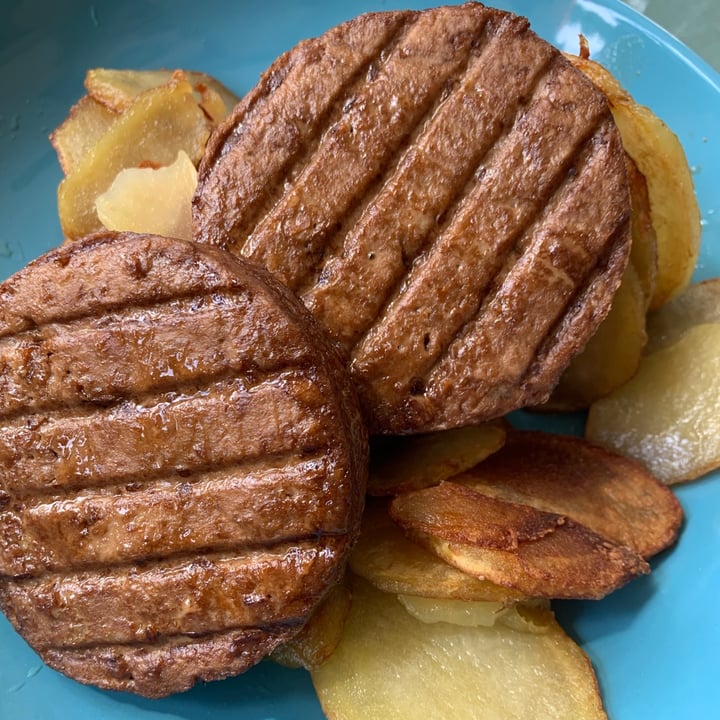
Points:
x=537, y=553
x=317, y=641
x=698, y=304
x=159, y=123
x=668, y=415
x=87, y=122
x=117, y=89
x=398, y=464
x=609, y=493
x=390, y=665
x=660, y=157
x=391, y=562
x=613, y=353
x=151, y=200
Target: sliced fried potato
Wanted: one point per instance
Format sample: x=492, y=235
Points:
x=151, y=200
x=660, y=157
x=317, y=641
x=389, y=665
x=391, y=562
x=537, y=553
x=159, y=123
x=698, y=304
x=398, y=464
x=609, y=493
x=117, y=89
x=613, y=353
x=668, y=415
x=87, y=122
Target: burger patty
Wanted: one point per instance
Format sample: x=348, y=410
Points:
x=445, y=193
x=182, y=462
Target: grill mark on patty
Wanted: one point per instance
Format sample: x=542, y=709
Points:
x=137, y=351
x=397, y=159
x=220, y=591
x=293, y=125
x=396, y=229
x=432, y=305
x=583, y=303
x=176, y=663
x=222, y=421
x=560, y=270
x=211, y=511
x=394, y=100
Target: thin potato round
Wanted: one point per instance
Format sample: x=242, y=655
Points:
x=394, y=564
x=398, y=464
x=609, y=493
x=317, y=641
x=668, y=415
x=661, y=158
x=698, y=304
x=612, y=354
x=390, y=665
x=543, y=555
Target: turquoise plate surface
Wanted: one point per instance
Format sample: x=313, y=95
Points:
x=655, y=643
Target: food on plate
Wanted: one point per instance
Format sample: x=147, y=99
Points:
x=698, y=304
x=386, y=558
x=540, y=554
x=151, y=200
x=150, y=132
x=668, y=415
x=660, y=158
x=320, y=635
x=183, y=462
x=446, y=193
x=391, y=665
x=453, y=201
x=411, y=462
x=607, y=492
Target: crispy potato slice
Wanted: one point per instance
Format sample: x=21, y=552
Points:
x=160, y=122
x=87, y=122
x=668, y=415
x=151, y=200
x=612, y=355
x=660, y=157
x=391, y=562
x=698, y=304
x=537, y=553
x=390, y=665
x=317, y=641
x=398, y=464
x=609, y=493
x=117, y=89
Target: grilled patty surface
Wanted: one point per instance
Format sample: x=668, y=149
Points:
x=182, y=462
x=445, y=193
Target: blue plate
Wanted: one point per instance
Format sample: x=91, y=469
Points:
x=655, y=643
